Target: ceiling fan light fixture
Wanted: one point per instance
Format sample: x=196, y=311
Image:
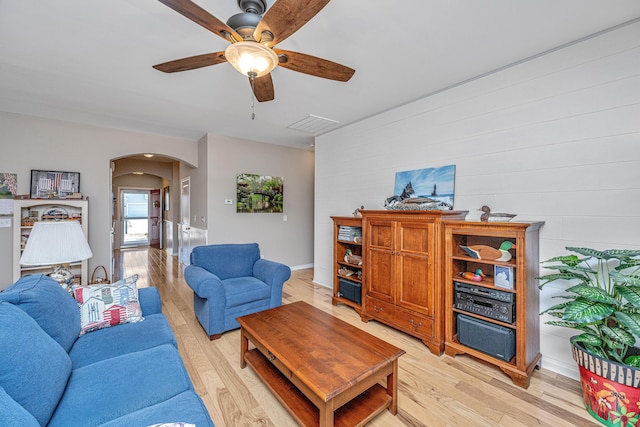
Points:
x=250, y=57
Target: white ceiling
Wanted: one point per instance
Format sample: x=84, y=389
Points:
x=90, y=61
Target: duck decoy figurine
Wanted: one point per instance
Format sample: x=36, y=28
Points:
x=487, y=215
x=476, y=276
x=486, y=211
x=489, y=253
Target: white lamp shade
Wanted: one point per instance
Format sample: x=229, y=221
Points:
x=55, y=242
x=251, y=57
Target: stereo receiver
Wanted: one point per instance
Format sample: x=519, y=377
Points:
x=486, y=302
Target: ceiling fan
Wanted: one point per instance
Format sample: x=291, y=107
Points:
x=253, y=38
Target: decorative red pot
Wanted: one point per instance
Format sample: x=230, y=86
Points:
x=610, y=390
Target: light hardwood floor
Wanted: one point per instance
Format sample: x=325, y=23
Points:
x=433, y=391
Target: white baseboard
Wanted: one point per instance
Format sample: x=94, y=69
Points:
x=567, y=369
x=301, y=267
x=321, y=284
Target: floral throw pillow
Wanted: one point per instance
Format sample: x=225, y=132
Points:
x=103, y=306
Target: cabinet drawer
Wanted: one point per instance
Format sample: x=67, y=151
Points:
x=407, y=321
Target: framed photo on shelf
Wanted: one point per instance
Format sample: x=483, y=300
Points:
x=503, y=276
x=54, y=184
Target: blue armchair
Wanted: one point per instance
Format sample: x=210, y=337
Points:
x=231, y=280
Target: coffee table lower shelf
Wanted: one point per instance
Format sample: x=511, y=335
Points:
x=355, y=413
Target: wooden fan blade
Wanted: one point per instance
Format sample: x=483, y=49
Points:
x=263, y=88
x=285, y=17
x=200, y=16
x=192, y=62
x=314, y=66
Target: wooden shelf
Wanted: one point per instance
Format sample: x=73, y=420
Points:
x=487, y=282
x=346, y=264
x=350, y=242
x=339, y=250
x=353, y=278
x=486, y=319
x=357, y=412
x=483, y=261
x=524, y=264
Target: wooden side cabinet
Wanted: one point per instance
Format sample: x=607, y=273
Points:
x=402, y=252
x=347, y=273
x=495, y=319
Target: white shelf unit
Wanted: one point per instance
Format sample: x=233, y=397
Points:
x=37, y=208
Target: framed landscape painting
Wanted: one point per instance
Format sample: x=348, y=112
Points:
x=259, y=193
x=430, y=183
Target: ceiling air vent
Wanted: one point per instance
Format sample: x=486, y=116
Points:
x=314, y=125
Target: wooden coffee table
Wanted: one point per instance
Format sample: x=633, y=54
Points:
x=323, y=370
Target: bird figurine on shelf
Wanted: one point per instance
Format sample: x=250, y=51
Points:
x=475, y=277
x=487, y=215
x=489, y=253
x=350, y=258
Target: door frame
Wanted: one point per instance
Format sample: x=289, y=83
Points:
x=121, y=192
x=184, y=245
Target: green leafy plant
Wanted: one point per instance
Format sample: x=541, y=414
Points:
x=602, y=300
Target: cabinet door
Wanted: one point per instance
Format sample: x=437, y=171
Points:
x=414, y=250
x=381, y=263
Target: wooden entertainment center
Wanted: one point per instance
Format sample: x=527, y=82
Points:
x=410, y=263
x=403, y=273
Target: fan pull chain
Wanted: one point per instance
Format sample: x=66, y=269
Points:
x=252, y=77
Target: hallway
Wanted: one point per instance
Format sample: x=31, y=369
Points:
x=151, y=264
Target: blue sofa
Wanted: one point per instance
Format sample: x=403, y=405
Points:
x=231, y=280
x=126, y=375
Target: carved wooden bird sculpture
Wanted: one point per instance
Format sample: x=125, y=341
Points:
x=489, y=253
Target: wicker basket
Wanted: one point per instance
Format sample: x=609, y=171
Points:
x=102, y=277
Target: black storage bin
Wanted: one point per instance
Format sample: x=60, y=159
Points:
x=351, y=290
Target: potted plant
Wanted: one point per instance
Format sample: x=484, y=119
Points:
x=602, y=301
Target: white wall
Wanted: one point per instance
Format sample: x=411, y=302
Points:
x=290, y=241
x=198, y=186
x=555, y=139
x=35, y=143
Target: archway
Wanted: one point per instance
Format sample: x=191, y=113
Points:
x=149, y=218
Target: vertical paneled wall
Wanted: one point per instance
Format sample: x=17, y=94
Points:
x=168, y=233
x=556, y=138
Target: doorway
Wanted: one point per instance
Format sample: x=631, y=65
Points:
x=135, y=217
x=184, y=244
x=155, y=218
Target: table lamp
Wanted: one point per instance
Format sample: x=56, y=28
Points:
x=56, y=243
